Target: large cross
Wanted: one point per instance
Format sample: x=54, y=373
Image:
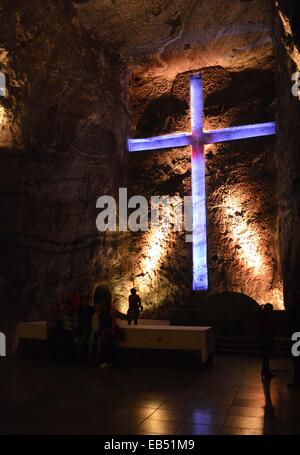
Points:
x=197, y=138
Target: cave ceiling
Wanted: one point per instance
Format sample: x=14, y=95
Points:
x=167, y=37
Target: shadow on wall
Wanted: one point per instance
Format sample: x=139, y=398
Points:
x=103, y=295
x=161, y=115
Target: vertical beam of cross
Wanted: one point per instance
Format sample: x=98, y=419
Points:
x=197, y=139
x=200, y=278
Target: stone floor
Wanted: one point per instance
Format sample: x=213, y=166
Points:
x=40, y=397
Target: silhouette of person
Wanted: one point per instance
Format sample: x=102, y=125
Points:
x=134, y=308
x=70, y=323
x=95, y=335
x=85, y=314
x=265, y=338
x=75, y=299
x=107, y=327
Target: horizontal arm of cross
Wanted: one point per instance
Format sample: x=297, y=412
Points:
x=160, y=142
x=207, y=137
x=239, y=132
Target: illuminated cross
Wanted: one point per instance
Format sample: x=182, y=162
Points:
x=197, y=138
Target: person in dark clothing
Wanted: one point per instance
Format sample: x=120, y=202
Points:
x=84, y=328
x=294, y=326
x=107, y=327
x=134, y=308
x=75, y=300
x=266, y=338
x=56, y=332
x=95, y=334
x=70, y=323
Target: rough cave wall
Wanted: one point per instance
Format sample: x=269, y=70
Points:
x=243, y=247
x=65, y=123
x=63, y=136
x=231, y=43
x=287, y=20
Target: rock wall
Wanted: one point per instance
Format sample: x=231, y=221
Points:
x=287, y=19
x=236, y=60
x=241, y=176
x=67, y=116
x=63, y=130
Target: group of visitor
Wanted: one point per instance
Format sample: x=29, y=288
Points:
x=83, y=333
x=79, y=332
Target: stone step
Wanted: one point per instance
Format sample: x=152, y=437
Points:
x=237, y=344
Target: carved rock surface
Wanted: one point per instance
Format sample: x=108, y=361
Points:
x=241, y=177
x=287, y=150
x=70, y=67
x=68, y=105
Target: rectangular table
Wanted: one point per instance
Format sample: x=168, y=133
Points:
x=36, y=330
x=145, y=335
x=169, y=337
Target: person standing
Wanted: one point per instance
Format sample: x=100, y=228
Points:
x=107, y=329
x=95, y=337
x=70, y=324
x=266, y=338
x=85, y=314
x=55, y=332
x=134, y=307
x=75, y=299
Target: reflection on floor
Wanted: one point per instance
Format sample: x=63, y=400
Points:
x=40, y=397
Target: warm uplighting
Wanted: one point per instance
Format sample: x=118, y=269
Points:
x=294, y=51
x=156, y=243
x=155, y=250
x=5, y=128
x=250, y=246
x=246, y=238
x=2, y=116
x=153, y=253
x=5, y=135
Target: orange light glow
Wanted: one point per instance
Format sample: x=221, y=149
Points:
x=246, y=238
x=2, y=116
x=251, y=248
x=152, y=255
x=154, y=251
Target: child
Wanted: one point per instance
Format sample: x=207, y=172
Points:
x=134, y=308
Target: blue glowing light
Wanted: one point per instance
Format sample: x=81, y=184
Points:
x=197, y=139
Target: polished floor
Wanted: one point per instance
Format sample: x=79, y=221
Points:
x=228, y=398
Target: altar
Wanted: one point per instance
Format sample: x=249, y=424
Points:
x=35, y=330
x=163, y=336
x=147, y=336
